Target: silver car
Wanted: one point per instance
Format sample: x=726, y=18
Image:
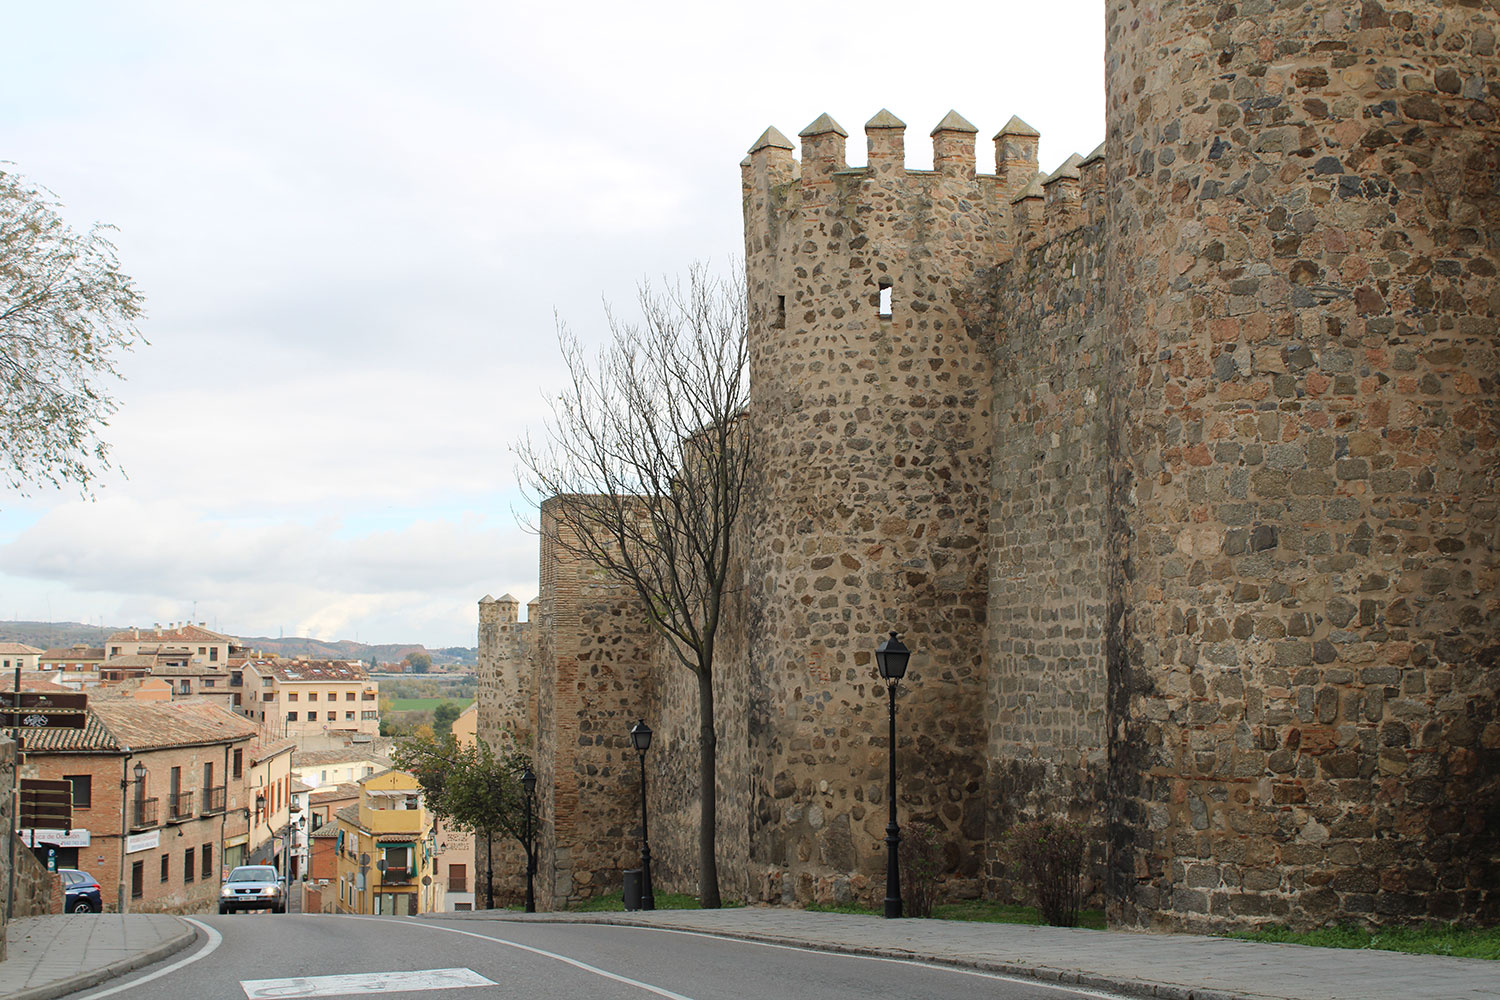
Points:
x=252, y=887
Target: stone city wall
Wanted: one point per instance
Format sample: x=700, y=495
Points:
x=1301, y=285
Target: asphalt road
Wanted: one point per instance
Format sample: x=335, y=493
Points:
x=255, y=956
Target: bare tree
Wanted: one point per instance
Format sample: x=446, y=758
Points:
x=648, y=463
x=66, y=310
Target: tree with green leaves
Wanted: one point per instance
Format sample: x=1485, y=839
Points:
x=646, y=466
x=67, y=312
x=444, y=715
x=473, y=787
x=418, y=662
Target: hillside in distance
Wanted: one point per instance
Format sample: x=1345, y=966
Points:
x=49, y=635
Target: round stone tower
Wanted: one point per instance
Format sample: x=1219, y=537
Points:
x=871, y=401
x=1302, y=285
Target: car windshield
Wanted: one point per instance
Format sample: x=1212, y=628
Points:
x=253, y=875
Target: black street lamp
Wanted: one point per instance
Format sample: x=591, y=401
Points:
x=891, y=656
x=640, y=738
x=528, y=782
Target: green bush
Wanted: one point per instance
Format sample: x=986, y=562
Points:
x=1048, y=855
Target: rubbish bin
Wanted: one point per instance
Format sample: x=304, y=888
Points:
x=632, y=888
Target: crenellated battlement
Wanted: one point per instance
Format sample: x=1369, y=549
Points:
x=1018, y=206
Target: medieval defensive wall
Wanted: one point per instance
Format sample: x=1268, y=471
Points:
x=1176, y=465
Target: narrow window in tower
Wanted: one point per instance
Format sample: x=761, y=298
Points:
x=885, y=298
x=780, y=312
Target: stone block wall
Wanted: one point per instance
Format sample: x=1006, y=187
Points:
x=1301, y=284
x=1046, y=700
x=592, y=665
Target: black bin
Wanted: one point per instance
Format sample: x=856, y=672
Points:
x=632, y=888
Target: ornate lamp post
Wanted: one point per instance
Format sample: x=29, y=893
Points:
x=528, y=783
x=891, y=656
x=640, y=738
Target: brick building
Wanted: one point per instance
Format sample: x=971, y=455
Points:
x=159, y=793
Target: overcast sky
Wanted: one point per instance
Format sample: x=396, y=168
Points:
x=353, y=224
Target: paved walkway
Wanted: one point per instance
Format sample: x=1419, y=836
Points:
x=53, y=956
x=1174, y=966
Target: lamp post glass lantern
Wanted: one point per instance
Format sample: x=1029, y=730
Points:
x=640, y=738
x=891, y=656
x=528, y=784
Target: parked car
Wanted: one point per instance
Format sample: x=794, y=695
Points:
x=252, y=887
x=80, y=892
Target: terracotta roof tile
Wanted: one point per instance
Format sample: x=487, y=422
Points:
x=316, y=671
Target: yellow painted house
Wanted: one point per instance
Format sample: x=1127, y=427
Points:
x=385, y=849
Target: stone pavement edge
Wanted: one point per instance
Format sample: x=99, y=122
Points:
x=56, y=955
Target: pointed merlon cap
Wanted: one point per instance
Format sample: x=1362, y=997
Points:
x=486, y=599
x=954, y=122
x=771, y=138
x=884, y=119
x=745, y=162
x=1067, y=170
x=822, y=125
x=509, y=599
x=1033, y=189
x=1097, y=154
x=1017, y=127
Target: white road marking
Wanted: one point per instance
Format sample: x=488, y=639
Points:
x=369, y=982
x=214, y=940
x=657, y=990
x=1084, y=991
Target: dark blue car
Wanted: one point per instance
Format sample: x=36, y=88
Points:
x=80, y=892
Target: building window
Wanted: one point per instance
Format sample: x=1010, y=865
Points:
x=369, y=715
x=208, y=862
x=291, y=696
x=265, y=682
x=349, y=716
x=348, y=695
x=239, y=763
x=312, y=716
x=322, y=776
x=202, y=650
x=780, y=321
x=166, y=867
x=267, y=696
x=208, y=682
x=312, y=696
x=187, y=865
x=213, y=654
x=83, y=789
x=292, y=716
x=114, y=651
x=184, y=687
x=137, y=879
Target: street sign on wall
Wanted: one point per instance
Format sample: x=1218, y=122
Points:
x=43, y=709
x=47, y=803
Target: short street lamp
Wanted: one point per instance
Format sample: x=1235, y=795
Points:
x=640, y=738
x=528, y=784
x=891, y=656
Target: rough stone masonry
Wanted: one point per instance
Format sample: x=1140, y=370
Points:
x=1177, y=466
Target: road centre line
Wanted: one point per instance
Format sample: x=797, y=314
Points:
x=666, y=994
x=214, y=940
x=918, y=963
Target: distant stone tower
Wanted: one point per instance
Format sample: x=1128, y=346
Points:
x=1303, y=227
x=870, y=400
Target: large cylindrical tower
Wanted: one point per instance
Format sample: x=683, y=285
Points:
x=1304, y=226
x=870, y=403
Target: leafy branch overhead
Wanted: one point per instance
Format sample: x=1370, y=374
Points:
x=66, y=313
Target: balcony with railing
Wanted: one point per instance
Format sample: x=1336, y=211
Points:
x=143, y=814
x=180, y=805
x=213, y=800
x=396, y=876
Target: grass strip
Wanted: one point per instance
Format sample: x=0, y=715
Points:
x=1430, y=939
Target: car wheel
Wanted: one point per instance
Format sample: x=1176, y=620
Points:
x=223, y=910
x=83, y=906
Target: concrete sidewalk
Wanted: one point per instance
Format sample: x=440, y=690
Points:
x=53, y=956
x=1174, y=966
